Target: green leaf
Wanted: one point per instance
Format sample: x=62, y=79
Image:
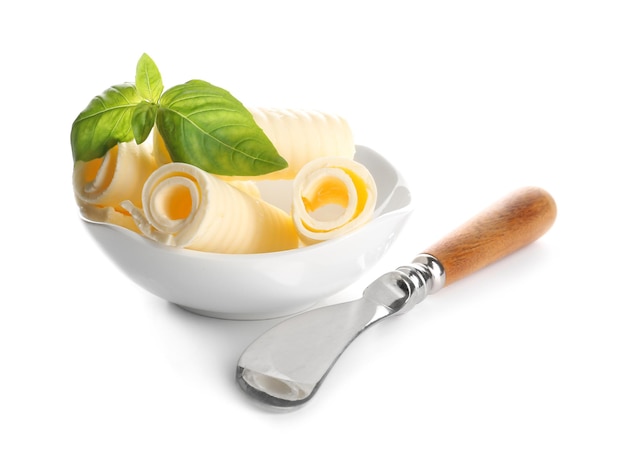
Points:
x=148, y=79
x=104, y=123
x=143, y=120
x=206, y=126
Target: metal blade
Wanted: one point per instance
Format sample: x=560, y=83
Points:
x=285, y=366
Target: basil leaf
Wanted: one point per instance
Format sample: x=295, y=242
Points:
x=148, y=79
x=206, y=126
x=143, y=120
x=104, y=123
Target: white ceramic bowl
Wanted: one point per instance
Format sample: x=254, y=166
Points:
x=269, y=285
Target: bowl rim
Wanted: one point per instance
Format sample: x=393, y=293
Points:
x=234, y=257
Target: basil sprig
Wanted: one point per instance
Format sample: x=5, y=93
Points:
x=201, y=124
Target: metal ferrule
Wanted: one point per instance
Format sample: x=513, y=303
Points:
x=400, y=290
x=427, y=276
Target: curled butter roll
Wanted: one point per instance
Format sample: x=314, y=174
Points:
x=299, y=136
x=332, y=197
x=185, y=206
x=101, y=185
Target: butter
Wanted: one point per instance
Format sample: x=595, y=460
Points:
x=101, y=185
x=185, y=206
x=301, y=136
x=139, y=187
x=332, y=197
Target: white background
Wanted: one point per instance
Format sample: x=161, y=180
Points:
x=522, y=365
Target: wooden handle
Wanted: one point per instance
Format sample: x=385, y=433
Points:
x=508, y=225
